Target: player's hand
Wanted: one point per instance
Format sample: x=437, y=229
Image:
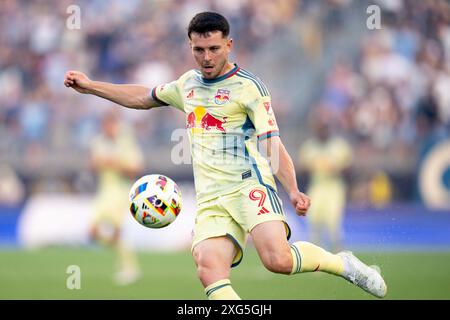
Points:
x=78, y=81
x=300, y=201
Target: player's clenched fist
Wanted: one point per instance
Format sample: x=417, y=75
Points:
x=78, y=81
x=301, y=202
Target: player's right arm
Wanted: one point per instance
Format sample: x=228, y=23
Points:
x=128, y=95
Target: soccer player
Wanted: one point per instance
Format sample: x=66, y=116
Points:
x=115, y=159
x=229, y=118
x=326, y=157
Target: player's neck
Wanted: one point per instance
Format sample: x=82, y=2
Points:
x=227, y=68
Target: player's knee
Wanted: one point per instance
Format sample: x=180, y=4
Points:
x=278, y=262
x=204, y=272
x=209, y=269
x=203, y=261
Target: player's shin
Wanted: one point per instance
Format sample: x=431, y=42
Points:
x=221, y=290
x=308, y=257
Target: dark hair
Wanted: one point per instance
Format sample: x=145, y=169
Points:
x=205, y=22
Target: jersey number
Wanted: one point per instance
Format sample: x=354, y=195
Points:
x=258, y=195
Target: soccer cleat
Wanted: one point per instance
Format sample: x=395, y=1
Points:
x=367, y=278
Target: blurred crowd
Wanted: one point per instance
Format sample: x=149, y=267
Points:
x=398, y=89
x=394, y=97
x=393, y=101
x=119, y=41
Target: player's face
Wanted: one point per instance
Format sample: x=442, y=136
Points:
x=211, y=52
x=322, y=130
x=110, y=128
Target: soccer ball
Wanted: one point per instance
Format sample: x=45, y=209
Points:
x=155, y=201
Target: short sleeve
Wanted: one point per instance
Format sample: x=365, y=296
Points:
x=260, y=112
x=168, y=94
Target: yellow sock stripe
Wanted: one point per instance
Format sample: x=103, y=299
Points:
x=298, y=258
x=216, y=285
x=208, y=293
x=294, y=260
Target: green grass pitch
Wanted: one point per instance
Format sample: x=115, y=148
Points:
x=41, y=274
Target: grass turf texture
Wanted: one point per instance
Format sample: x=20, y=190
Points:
x=42, y=274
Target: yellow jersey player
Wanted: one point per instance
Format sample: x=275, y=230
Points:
x=231, y=125
x=115, y=158
x=326, y=157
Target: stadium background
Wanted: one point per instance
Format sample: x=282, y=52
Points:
x=388, y=91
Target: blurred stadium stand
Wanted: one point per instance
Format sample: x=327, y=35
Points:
x=388, y=89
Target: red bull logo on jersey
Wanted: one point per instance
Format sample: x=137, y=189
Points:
x=200, y=120
x=209, y=122
x=190, y=120
x=222, y=96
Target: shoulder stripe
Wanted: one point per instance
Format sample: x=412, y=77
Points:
x=260, y=89
x=248, y=73
x=259, y=84
x=251, y=75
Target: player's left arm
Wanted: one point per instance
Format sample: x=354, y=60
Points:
x=283, y=168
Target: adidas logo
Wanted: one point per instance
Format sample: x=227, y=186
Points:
x=263, y=211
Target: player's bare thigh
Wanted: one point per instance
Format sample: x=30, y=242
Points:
x=213, y=257
x=273, y=249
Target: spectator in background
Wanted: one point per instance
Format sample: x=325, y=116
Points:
x=430, y=132
x=380, y=189
x=428, y=125
x=115, y=158
x=325, y=157
x=12, y=190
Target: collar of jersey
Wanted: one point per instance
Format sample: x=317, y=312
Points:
x=229, y=74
